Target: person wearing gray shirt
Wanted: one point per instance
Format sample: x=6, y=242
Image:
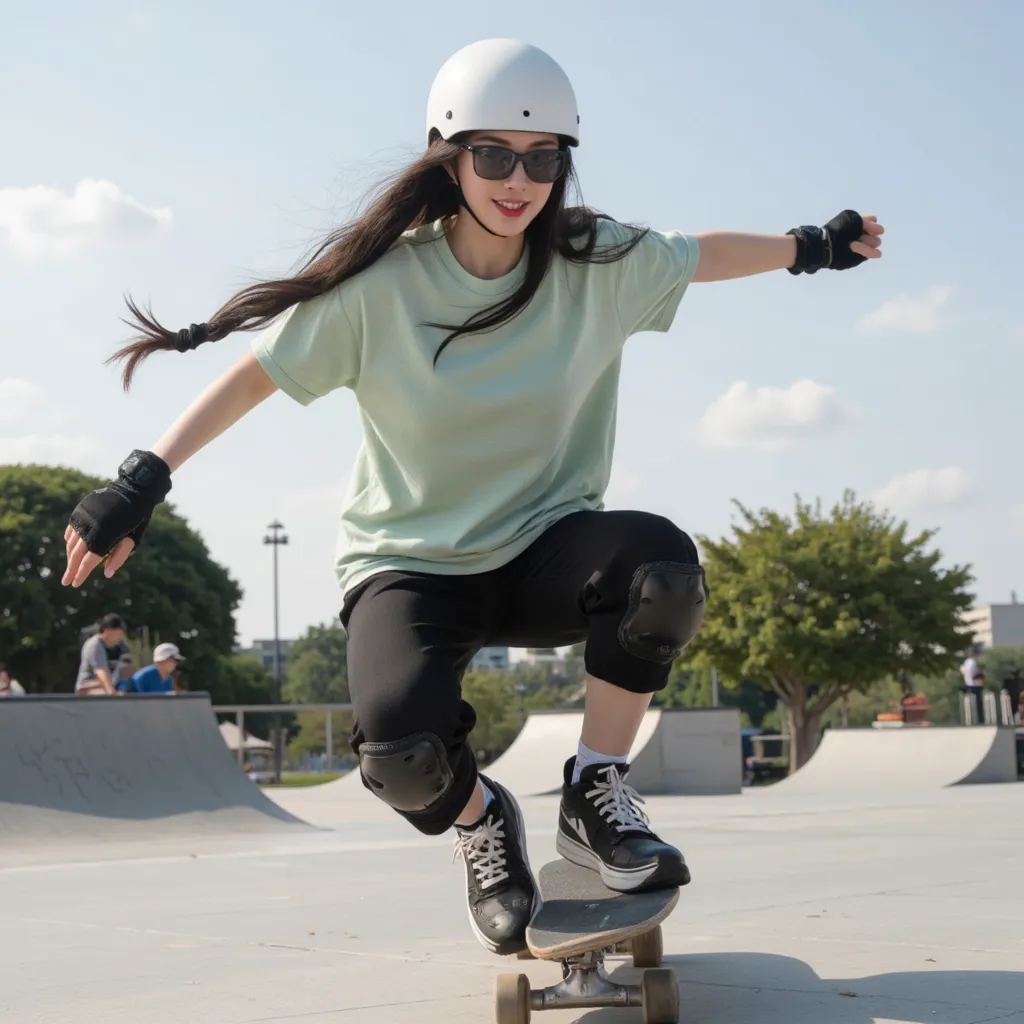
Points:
x=95, y=671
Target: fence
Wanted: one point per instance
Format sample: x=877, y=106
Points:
x=239, y=711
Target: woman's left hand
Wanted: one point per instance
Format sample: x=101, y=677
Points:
x=869, y=245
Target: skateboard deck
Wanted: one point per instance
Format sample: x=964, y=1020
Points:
x=580, y=914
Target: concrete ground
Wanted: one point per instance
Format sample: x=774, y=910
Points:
x=803, y=910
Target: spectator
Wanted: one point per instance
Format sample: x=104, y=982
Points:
x=123, y=673
x=976, y=687
x=969, y=669
x=100, y=654
x=156, y=678
x=9, y=687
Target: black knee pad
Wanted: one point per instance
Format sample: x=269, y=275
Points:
x=410, y=774
x=666, y=609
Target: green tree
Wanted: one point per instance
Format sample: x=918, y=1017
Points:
x=170, y=585
x=998, y=663
x=817, y=606
x=498, y=715
x=572, y=663
x=689, y=686
x=317, y=668
x=311, y=736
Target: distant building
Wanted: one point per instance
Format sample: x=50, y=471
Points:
x=997, y=625
x=542, y=656
x=495, y=658
x=263, y=652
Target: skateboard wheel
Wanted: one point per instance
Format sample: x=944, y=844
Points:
x=659, y=991
x=647, y=949
x=512, y=999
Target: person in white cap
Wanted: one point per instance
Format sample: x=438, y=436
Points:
x=157, y=678
x=479, y=316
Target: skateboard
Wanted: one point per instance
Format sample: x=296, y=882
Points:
x=579, y=924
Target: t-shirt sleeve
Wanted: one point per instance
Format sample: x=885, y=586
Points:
x=311, y=349
x=653, y=277
x=96, y=655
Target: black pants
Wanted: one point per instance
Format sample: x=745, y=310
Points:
x=411, y=636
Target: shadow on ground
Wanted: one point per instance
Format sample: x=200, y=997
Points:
x=762, y=988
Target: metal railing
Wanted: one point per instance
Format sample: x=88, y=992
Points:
x=995, y=709
x=239, y=711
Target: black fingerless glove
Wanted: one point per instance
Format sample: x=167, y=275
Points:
x=828, y=247
x=124, y=507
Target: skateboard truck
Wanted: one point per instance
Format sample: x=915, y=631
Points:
x=580, y=922
x=586, y=985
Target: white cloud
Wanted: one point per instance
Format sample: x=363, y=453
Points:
x=911, y=314
x=771, y=417
x=84, y=453
x=924, y=488
x=40, y=220
x=17, y=398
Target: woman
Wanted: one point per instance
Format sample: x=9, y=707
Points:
x=479, y=319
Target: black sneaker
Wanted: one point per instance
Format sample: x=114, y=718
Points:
x=500, y=887
x=601, y=826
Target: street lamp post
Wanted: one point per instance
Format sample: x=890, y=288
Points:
x=520, y=688
x=276, y=538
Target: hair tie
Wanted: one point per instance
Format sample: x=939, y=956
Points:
x=191, y=337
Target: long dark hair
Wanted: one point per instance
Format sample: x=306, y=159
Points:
x=421, y=193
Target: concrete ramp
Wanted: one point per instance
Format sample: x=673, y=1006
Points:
x=693, y=751
x=97, y=768
x=929, y=757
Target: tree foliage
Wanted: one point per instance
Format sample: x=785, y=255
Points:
x=170, y=585
x=317, y=668
x=817, y=605
x=690, y=686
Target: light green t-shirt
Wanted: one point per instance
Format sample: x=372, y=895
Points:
x=463, y=466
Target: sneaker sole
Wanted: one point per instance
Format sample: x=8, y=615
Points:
x=489, y=944
x=638, y=879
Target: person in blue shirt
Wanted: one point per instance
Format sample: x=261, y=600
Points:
x=156, y=678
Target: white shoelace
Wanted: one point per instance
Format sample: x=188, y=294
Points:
x=618, y=803
x=484, y=848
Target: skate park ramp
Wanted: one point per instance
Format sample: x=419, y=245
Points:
x=694, y=752
x=922, y=757
x=102, y=768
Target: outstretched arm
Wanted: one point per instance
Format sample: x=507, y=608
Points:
x=725, y=255
x=236, y=392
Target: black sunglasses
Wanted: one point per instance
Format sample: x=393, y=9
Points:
x=496, y=163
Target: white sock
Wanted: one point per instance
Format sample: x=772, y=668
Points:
x=585, y=756
x=488, y=797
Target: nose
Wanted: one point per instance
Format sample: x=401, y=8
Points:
x=518, y=178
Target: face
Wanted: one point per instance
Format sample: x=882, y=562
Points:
x=507, y=206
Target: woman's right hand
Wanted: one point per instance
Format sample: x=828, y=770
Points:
x=109, y=523
x=82, y=561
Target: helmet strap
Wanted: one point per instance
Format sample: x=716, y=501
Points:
x=465, y=205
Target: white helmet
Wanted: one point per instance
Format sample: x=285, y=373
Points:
x=504, y=85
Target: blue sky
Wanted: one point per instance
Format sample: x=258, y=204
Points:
x=230, y=135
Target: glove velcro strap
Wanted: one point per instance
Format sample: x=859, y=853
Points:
x=813, y=249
